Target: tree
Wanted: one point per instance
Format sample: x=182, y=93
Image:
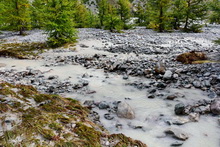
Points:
x=159, y=14
x=124, y=11
x=112, y=21
x=178, y=8
x=102, y=11
x=59, y=22
x=195, y=12
x=141, y=14
x=38, y=13
x=17, y=15
x=215, y=11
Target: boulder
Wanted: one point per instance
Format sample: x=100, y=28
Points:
x=125, y=111
x=160, y=68
x=168, y=75
x=177, y=133
x=215, y=106
x=179, y=109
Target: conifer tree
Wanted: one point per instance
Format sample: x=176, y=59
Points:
x=124, y=11
x=178, y=8
x=159, y=14
x=195, y=12
x=215, y=11
x=17, y=15
x=102, y=11
x=59, y=22
x=112, y=21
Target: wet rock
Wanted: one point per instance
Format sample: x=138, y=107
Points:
x=179, y=109
x=151, y=96
x=171, y=97
x=161, y=85
x=125, y=111
x=177, y=143
x=103, y=105
x=108, y=116
x=215, y=106
x=160, y=68
x=89, y=104
x=180, y=121
x=178, y=134
x=168, y=75
x=83, y=46
x=194, y=117
x=197, y=84
x=152, y=90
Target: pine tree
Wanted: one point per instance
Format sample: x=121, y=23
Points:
x=159, y=14
x=215, y=11
x=59, y=22
x=178, y=8
x=112, y=21
x=195, y=12
x=102, y=11
x=38, y=13
x=81, y=15
x=124, y=11
x=17, y=15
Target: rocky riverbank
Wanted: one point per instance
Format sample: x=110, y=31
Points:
x=132, y=82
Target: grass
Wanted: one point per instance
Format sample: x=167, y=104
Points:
x=217, y=41
x=50, y=121
x=22, y=50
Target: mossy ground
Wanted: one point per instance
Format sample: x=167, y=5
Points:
x=190, y=57
x=50, y=120
x=22, y=50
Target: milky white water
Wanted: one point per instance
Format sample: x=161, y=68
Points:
x=150, y=113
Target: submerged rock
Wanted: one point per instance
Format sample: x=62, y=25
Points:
x=125, y=111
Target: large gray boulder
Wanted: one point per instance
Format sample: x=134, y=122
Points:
x=125, y=111
x=215, y=106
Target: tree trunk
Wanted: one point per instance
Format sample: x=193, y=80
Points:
x=161, y=26
x=187, y=15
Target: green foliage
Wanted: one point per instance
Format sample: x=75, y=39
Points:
x=159, y=15
x=178, y=8
x=194, y=13
x=124, y=11
x=38, y=13
x=59, y=22
x=102, y=11
x=83, y=17
x=217, y=41
x=142, y=14
x=15, y=15
x=215, y=11
x=112, y=20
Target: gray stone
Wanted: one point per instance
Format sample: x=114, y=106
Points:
x=160, y=68
x=179, y=109
x=125, y=111
x=178, y=134
x=215, y=106
x=197, y=84
x=194, y=117
x=177, y=143
x=168, y=75
x=103, y=105
x=108, y=116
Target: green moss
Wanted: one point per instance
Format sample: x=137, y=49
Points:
x=217, y=41
x=88, y=136
x=55, y=126
x=46, y=133
x=22, y=50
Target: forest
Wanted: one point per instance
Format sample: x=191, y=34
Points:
x=59, y=18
